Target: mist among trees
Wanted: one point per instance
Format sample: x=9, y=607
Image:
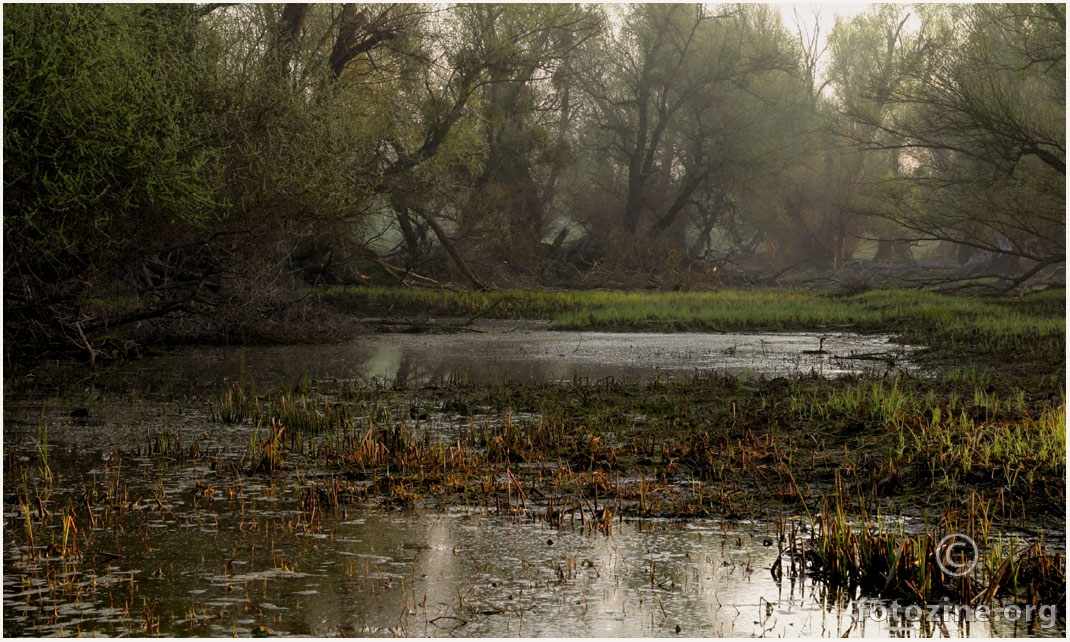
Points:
x=195, y=168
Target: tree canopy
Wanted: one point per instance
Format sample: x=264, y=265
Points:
x=189, y=169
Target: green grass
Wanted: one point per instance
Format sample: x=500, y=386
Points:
x=583, y=309
x=958, y=446
x=724, y=310
x=1040, y=313
x=945, y=433
x=379, y=301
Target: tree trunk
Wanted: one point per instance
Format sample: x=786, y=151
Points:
x=349, y=44
x=287, y=35
x=451, y=250
x=678, y=204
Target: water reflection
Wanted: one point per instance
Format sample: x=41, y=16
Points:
x=185, y=548
x=495, y=353
x=199, y=550
x=449, y=574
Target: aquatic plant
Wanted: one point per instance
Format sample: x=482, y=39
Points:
x=879, y=559
x=41, y=443
x=267, y=453
x=233, y=405
x=306, y=413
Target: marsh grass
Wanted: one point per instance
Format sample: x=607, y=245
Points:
x=267, y=450
x=997, y=318
x=307, y=412
x=233, y=405
x=702, y=446
x=877, y=558
x=41, y=443
x=719, y=446
x=951, y=433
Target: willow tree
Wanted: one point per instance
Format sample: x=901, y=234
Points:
x=987, y=128
x=975, y=124
x=469, y=145
x=525, y=114
x=107, y=174
x=687, y=105
x=870, y=56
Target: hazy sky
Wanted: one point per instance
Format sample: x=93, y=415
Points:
x=824, y=13
x=828, y=10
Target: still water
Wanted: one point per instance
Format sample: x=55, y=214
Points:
x=123, y=543
x=495, y=352
x=184, y=550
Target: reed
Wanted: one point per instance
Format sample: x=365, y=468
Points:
x=306, y=413
x=232, y=406
x=745, y=445
x=879, y=559
x=267, y=452
x=41, y=444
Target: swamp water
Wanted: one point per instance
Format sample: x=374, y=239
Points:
x=494, y=352
x=123, y=541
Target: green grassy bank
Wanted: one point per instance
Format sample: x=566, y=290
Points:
x=1024, y=336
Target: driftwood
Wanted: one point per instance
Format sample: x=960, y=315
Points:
x=447, y=244
x=399, y=274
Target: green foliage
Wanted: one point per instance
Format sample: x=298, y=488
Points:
x=139, y=141
x=106, y=168
x=958, y=113
x=98, y=128
x=184, y=163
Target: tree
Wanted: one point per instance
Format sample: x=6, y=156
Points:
x=975, y=121
x=106, y=174
x=526, y=111
x=690, y=106
x=869, y=55
x=469, y=132
x=161, y=166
